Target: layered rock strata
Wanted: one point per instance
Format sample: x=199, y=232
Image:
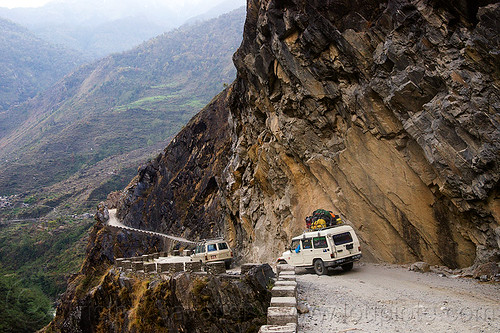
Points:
x=383, y=111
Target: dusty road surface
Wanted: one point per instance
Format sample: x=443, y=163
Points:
x=378, y=298
x=113, y=221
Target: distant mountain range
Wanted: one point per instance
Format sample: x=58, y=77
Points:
x=123, y=105
x=98, y=28
x=29, y=64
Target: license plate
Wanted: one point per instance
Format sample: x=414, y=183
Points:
x=213, y=257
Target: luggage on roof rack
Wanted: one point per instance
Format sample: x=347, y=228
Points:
x=322, y=218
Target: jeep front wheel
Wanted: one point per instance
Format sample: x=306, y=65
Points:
x=319, y=267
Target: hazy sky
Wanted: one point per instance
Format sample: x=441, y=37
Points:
x=38, y=3
x=23, y=3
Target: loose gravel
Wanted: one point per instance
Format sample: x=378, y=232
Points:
x=386, y=298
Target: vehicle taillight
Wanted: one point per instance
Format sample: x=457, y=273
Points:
x=359, y=248
x=231, y=254
x=206, y=257
x=332, y=255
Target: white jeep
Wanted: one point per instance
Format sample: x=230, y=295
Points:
x=213, y=250
x=320, y=249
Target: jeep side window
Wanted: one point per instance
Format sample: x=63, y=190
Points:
x=342, y=238
x=222, y=246
x=200, y=249
x=295, y=244
x=320, y=242
x=211, y=248
x=306, y=243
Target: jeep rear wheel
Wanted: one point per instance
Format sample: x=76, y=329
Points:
x=319, y=267
x=347, y=267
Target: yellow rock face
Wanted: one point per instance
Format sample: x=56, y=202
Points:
x=349, y=111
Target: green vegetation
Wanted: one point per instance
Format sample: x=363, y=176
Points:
x=43, y=253
x=28, y=65
x=85, y=137
x=22, y=309
x=115, y=182
x=36, y=260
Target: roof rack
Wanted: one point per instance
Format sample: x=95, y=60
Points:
x=210, y=239
x=329, y=227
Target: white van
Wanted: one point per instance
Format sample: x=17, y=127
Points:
x=213, y=250
x=320, y=249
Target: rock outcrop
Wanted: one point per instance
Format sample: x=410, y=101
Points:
x=386, y=111
x=383, y=111
x=184, y=302
x=178, y=192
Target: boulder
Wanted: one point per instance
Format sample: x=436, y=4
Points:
x=420, y=266
x=486, y=272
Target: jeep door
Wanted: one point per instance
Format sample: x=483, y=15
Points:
x=343, y=244
x=320, y=248
x=199, y=254
x=212, y=254
x=224, y=251
x=296, y=258
x=307, y=252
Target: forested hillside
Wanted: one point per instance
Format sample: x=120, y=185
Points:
x=28, y=65
x=117, y=105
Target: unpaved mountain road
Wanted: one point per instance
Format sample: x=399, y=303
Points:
x=113, y=221
x=386, y=298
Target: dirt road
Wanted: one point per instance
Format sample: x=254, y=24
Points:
x=113, y=221
x=377, y=298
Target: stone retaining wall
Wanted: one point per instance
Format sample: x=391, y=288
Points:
x=282, y=316
x=193, y=266
x=146, y=263
x=216, y=267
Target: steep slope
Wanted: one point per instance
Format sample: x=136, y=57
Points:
x=28, y=65
x=119, y=104
x=108, y=300
x=385, y=111
x=178, y=192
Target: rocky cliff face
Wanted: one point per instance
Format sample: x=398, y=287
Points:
x=181, y=303
x=384, y=111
